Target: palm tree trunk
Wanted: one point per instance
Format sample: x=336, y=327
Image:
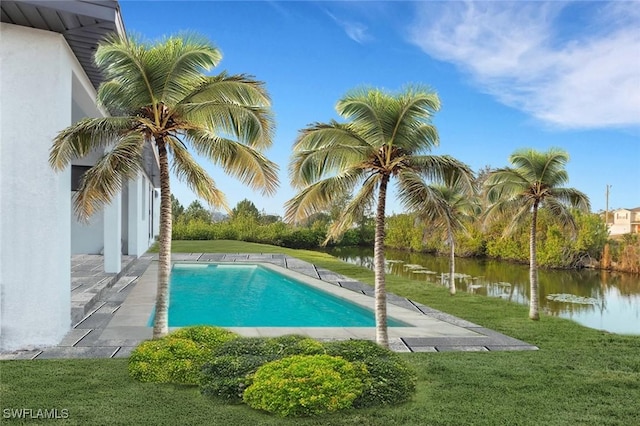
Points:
x=161, y=321
x=452, y=264
x=533, y=267
x=382, y=337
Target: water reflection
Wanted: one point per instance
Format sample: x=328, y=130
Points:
x=614, y=297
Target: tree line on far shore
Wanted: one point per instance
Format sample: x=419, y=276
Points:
x=589, y=247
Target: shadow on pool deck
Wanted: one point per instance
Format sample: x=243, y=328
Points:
x=116, y=322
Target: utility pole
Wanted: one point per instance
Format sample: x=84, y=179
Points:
x=606, y=214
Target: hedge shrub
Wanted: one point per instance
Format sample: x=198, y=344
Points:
x=167, y=360
x=178, y=357
x=205, y=336
x=304, y=385
x=225, y=375
x=390, y=380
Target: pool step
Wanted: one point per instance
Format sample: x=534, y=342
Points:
x=87, y=291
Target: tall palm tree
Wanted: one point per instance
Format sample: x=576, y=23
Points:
x=385, y=136
x=447, y=207
x=158, y=94
x=533, y=182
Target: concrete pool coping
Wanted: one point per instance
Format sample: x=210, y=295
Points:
x=120, y=321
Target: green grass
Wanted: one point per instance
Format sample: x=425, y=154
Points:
x=578, y=377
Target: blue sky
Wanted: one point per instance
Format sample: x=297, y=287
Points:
x=509, y=75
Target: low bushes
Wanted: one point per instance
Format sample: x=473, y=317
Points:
x=178, y=357
x=289, y=375
x=206, y=337
x=276, y=233
x=225, y=376
x=304, y=385
x=389, y=380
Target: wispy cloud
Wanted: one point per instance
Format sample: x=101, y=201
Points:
x=356, y=31
x=584, y=76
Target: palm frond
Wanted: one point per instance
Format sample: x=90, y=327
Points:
x=114, y=97
x=104, y=180
x=326, y=149
x=521, y=214
x=79, y=139
x=505, y=184
x=126, y=62
x=446, y=207
x=183, y=60
x=355, y=209
x=573, y=198
x=561, y=213
x=413, y=131
x=423, y=132
x=362, y=106
x=547, y=168
x=442, y=169
x=189, y=171
x=318, y=196
x=513, y=211
x=533, y=180
x=234, y=105
x=241, y=161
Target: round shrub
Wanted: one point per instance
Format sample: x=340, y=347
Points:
x=293, y=344
x=390, y=380
x=225, y=375
x=205, y=336
x=243, y=346
x=167, y=360
x=305, y=385
x=281, y=346
x=178, y=357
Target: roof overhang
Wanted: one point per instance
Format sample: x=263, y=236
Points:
x=83, y=24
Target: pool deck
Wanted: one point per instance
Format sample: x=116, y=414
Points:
x=110, y=312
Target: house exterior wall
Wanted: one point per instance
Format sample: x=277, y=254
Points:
x=44, y=89
x=35, y=83
x=622, y=217
x=86, y=237
x=619, y=229
x=143, y=210
x=625, y=222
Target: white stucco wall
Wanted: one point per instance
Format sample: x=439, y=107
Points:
x=35, y=83
x=619, y=229
x=141, y=218
x=156, y=213
x=86, y=237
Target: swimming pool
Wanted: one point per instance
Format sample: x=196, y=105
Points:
x=249, y=295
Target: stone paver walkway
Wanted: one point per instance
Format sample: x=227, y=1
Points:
x=89, y=282
x=115, y=310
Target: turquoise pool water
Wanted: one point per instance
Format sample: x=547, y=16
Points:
x=253, y=296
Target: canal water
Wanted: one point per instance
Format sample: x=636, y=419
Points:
x=598, y=299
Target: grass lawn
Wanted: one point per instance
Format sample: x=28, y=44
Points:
x=578, y=377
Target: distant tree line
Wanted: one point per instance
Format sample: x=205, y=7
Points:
x=589, y=246
x=247, y=223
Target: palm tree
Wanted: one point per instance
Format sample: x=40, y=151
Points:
x=386, y=136
x=447, y=207
x=158, y=94
x=518, y=192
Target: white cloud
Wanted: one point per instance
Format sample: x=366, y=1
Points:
x=354, y=30
x=513, y=50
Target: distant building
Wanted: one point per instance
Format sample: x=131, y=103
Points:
x=625, y=221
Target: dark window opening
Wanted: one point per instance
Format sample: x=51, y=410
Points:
x=77, y=173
